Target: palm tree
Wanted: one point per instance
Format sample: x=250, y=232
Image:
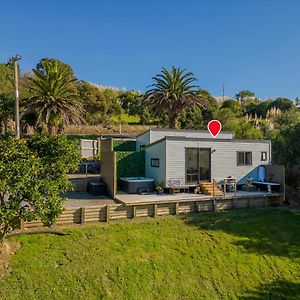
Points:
x=6, y=109
x=173, y=91
x=54, y=99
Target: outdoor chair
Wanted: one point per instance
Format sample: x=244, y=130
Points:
x=175, y=184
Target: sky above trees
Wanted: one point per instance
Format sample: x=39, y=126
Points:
x=251, y=45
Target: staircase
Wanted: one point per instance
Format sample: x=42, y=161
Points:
x=208, y=187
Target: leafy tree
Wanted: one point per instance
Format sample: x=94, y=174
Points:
x=234, y=106
x=6, y=109
x=192, y=118
x=53, y=95
x=260, y=109
x=6, y=78
x=243, y=129
x=287, y=155
x=244, y=95
x=287, y=119
x=33, y=175
x=173, y=91
x=284, y=104
x=131, y=102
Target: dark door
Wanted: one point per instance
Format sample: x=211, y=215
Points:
x=204, y=164
x=198, y=164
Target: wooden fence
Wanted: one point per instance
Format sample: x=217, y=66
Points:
x=106, y=213
x=89, y=148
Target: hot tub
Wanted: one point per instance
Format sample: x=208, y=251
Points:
x=136, y=185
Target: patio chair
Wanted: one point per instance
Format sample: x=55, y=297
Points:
x=175, y=184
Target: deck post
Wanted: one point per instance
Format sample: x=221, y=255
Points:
x=235, y=188
x=176, y=208
x=82, y=215
x=133, y=211
x=107, y=213
x=22, y=224
x=214, y=204
x=154, y=210
x=196, y=206
x=234, y=202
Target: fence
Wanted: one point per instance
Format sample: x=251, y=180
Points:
x=106, y=213
x=89, y=148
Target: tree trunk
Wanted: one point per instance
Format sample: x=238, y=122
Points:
x=52, y=129
x=173, y=119
x=5, y=125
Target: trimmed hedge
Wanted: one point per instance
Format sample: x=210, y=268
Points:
x=130, y=164
x=124, y=146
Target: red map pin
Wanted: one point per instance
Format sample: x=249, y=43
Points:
x=214, y=127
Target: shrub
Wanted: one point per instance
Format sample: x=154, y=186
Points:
x=33, y=174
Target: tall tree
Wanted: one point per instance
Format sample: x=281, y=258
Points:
x=6, y=78
x=53, y=95
x=6, y=109
x=244, y=95
x=173, y=91
x=284, y=104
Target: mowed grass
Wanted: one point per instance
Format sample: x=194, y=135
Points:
x=241, y=254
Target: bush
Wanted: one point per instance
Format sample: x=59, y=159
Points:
x=124, y=145
x=33, y=174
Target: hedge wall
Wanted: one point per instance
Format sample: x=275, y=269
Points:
x=124, y=145
x=130, y=164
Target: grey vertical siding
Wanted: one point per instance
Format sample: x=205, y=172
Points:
x=143, y=139
x=156, y=151
x=223, y=160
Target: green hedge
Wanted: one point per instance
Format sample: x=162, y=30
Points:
x=130, y=164
x=124, y=145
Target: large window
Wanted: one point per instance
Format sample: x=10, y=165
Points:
x=244, y=158
x=155, y=162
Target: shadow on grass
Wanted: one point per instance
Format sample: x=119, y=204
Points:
x=262, y=231
x=275, y=290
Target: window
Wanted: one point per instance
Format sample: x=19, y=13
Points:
x=264, y=156
x=244, y=158
x=155, y=162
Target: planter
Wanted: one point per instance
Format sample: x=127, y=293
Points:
x=160, y=191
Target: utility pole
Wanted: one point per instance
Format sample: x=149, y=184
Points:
x=17, y=113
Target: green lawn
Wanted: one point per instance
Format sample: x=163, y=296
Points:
x=241, y=254
x=128, y=119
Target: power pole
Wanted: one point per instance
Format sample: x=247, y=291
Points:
x=17, y=113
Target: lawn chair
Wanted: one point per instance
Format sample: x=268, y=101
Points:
x=177, y=184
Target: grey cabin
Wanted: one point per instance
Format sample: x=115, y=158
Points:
x=194, y=155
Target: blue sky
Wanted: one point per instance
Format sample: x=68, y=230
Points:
x=246, y=44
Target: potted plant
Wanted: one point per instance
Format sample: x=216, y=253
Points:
x=159, y=186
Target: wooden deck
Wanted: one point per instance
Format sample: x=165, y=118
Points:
x=83, y=199
x=135, y=199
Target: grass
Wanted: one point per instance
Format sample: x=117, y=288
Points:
x=128, y=119
x=100, y=129
x=241, y=254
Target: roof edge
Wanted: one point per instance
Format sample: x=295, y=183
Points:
x=180, y=138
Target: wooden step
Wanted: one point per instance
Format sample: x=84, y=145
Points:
x=210, y=188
